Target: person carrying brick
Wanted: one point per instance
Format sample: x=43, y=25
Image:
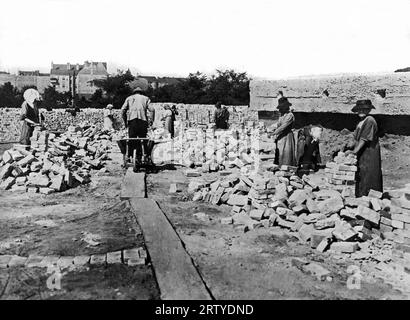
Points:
x=308, y=152
x=137, y=120
x=367, y=149
x=30, y=115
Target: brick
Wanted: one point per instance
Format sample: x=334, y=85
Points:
x=331, y=205
x=6, y=171
x=130, y=254
x=326, y=194
x=34, y=261
x=323, y=245
x=348, y=213
x=98, y=259
x=17, y=261
x=397, y=224
x=306, y=231
x=49, y=261
x=283, y=223
x=344, y=232
x=324, y=224
x=368, y=214
x=27, y=160
x=376, y=204
x=355, y=202
x=8, y=183
x=401, y=217
x=256, y=214
x=4, y=260
x=238, y=200
x=65, y=262
x=345, y=247
x=114, y=257
x=312, y=206
x=375, y=194
x=217, y=196
x=81, y=260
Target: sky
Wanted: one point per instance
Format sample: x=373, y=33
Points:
x=266, y=38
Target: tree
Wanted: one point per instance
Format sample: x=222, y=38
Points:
x=114, y=89
x=54, y=99
x=10, y=97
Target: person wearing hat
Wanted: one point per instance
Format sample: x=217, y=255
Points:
x=136, y=118
x=30, y=115
x=283, y=135
x=108, y=118
x=367, y=149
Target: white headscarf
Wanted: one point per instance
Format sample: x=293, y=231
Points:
x=30, y=95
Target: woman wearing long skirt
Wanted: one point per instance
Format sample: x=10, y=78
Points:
x=367, y=149
x=30, y=115
x=283, y=135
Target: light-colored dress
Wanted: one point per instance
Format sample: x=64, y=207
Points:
x=285, y=141
x=108, y=123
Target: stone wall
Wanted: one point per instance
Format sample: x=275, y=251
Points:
x=60, y=120
x=307, y=94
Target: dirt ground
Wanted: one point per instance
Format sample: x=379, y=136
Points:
x=257, y=264
x=55, y=225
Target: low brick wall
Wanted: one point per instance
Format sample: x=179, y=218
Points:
x=60, y=120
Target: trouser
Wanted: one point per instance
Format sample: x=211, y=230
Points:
x=137, y=128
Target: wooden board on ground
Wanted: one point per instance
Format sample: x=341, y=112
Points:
x=177, y=277
x=133, y=185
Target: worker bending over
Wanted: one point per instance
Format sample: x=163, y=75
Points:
x=308, y=153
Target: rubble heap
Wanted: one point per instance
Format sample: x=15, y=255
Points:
x=55, y=162
x=318, y=210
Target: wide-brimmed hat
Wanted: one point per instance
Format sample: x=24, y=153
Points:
x=283, y=103
x=363, y=105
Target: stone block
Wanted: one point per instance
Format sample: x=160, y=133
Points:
x=17, y=261
x=8, y=183
x=331, y=205
x=397, y=224
x=81, y=260
x=98, y=259
x=34, y=261
x=344, y=232
x=114, y=257
x=306, y=231
x=256, y=214
x=227, y=220
x=344, y=247
x=368, y=214
x=238, y=200
x=401, y=217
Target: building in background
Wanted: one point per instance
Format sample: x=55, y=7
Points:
x=85, y=78
x=24, y=79
x=77, y=79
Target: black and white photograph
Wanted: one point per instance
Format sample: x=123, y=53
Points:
x=204, y=156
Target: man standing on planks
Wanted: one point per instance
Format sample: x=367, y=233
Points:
x=136, y=118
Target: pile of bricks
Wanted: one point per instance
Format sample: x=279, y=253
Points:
x=55, y=162
x=312, y=207
x=341, y=172
x=210, y=150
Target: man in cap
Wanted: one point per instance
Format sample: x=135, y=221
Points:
x=136, y=118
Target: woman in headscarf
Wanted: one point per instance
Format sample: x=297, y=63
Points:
x=30, y=115
x=367, y=149
x=283, y=135
x=108, y=118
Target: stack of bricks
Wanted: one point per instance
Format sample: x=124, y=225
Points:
x=395, y=221
x=341, y=172
x=54, y=162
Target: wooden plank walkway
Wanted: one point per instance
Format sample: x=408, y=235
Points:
x=133, y=185
x=177, y=277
